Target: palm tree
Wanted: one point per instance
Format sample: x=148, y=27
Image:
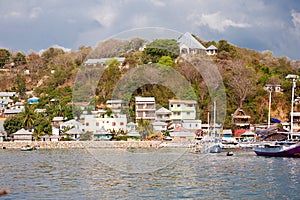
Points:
x=28, y=116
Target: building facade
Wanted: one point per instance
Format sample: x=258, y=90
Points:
x=145, y=108
x=183, y=110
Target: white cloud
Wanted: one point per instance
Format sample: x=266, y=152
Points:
x=158, y=3
x=35, y=12
x=216, y=21
x=295, y=18
x=105, y=15
x=140, y=21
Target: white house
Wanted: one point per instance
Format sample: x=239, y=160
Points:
x=7, y=95
x=114, y=123
x=188, y=44
x=159, y=126
x=211, y=50
x=145, y=108
x=182, y=109
x=191, y=124
x=22, y=135
x=163, y=115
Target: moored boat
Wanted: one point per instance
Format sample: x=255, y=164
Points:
x=278, y=150
x=27, y=148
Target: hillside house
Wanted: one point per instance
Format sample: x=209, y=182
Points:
x=182, y=110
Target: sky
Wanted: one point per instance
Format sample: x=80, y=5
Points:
x=257, y=24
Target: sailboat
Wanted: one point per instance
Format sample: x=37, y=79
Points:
x=210, y=142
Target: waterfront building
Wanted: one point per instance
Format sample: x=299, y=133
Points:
x=182, y=110
x=241, y=122
x=180, y=134
x=159, y=127
x=73, y=128
x=116, y=122
x=191, y=124
x=145, y=108
x=22, y=135
x=163, y=115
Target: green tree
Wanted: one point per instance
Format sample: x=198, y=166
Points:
x=144, y=128
x=28, y=116
x=19, y=58
x=13, y=124
x=20, y=85
x=42, y=126
x=166, y=60
x=4, y=57
x=160, y=47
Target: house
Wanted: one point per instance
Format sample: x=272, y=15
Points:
x=13, y=110
x=191, y=124
x=72, y=124
x=241, y=122
x=73, y=128
x=145, y=108
x=159, y=126
x=22, y=135
x=102, y=134
x=188, y=44
x=131, y=127
x=103, y=61
x=57, y=121
x=116, y=122
x=1, y=137
x=182, y=110
x=211, y=50
x=180, y=134
x=163, y=115
x=33, y=100
x=115, y=104
x=7, y=95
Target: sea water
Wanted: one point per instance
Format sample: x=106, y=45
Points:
x=79, y=174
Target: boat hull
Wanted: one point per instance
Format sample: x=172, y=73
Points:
x=292, y=151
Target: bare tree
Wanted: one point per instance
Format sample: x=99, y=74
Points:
x=242, y=82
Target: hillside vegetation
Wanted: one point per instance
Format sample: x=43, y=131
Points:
x=245, y=72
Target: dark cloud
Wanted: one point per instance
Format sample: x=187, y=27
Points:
x=256, y=24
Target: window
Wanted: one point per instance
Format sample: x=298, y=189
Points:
x=121, y=123
x=87, y=124
x=97, y=123
x=114, y=124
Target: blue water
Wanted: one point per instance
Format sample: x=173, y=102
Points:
x=76, y=174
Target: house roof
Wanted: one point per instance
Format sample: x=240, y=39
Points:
x=7, y=94
x=74, y=131
x=163, y=110
x=212, y=47
x=22, y=132
x=12, y=111
x=191, y=121
x=190, y=41
x=159, y=124
x=103, y=60
x=71, y=122
x=182, y=134
x=177, y=101
x=145, y=99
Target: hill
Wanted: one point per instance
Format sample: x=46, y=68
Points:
x=244, y=72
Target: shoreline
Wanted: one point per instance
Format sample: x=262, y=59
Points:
x=81, y=144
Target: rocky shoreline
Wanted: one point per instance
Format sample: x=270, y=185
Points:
x=81, y=144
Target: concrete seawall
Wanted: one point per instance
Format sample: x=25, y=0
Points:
x=82, y=144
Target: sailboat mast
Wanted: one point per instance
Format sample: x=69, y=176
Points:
x=214, y=118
